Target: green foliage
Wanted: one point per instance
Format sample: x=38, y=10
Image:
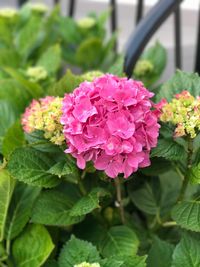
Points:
x=13, y=138
x=187, y=252
x=77, y=251
x=6, y=189
x=187, y=215
x=53, y=208
x=33, y=247
x=194, y=174
x=89, y=202
x=160, y=253
x=180, y=81
x=20, y=209
x=119, y=240
x=31, y=167
x=168, y=149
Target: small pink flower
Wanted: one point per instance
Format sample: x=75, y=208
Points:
x=110, y=121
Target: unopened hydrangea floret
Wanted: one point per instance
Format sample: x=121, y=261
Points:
x=8, y=12
x=36, y=74
x=143, y=67
x=184, y=112
x=110, y=121
x=86, y=264
x=45, y=115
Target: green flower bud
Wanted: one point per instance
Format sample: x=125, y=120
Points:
x=36, y=74
x=143, y=67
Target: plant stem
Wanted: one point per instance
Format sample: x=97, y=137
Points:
x=81, y=186
x=119, y=199
x=169, y=224
x=189, y=165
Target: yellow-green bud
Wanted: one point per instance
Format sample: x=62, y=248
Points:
x=143, y=67
x=86, y=264
x=36, y=74
x=86, y=23
x=91, y=75
x=8, y=12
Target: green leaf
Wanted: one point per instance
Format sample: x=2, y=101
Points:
x=111, y=262
x=31, y=167
x=179, y=82
x=33, y=89
x=13, y=138
x=119, y=240
x=66, y=169
x=51, y=59
x=134, y=261
x=187, y=215
x=6, y=189
x=76, y=251
x=51, y=263
x=169, y=149
x=158, y=166
x=118, y=67
x=8, y=117
x=9, y=58
x=68, y=30
x=160, y=254
x=147, y=198
x=15, y=93
x=20, y=209
x=66, y=85
x=29, y=37
x=194, y=174
x=89, y=53
x=187, y=252
x=53, y=208
x=89, y=202
x=33, y=247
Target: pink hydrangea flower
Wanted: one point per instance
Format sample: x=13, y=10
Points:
x=110, y=121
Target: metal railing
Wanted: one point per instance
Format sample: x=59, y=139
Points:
x=145, y=28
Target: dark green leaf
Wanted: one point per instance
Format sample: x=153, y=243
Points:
x=169, y=149
x=89, y=202
x=160, y=254
x=187, y=252
x=31, y=167
x=187, y=215
x=76, y=251
x=20, y=209
x=119, y=240
x=53, y=208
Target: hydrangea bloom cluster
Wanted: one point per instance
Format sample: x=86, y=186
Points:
x=36, y=74
x=110, y=122
x=143, y=67
x=86, y=264
x=8, y=13
x=184, y=112
x=45, y=115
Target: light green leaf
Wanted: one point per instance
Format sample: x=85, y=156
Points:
x=76, y=251
x=51, y=59
x=6, y=189
x=8, y=117
x=169, y=149
x=66, y=169
x=66, y=85
x=179, y=82
x=118, y=67
x=29, y=37
x=187, y=215
x=20, y=209
x=160, y=254
x=15, y=93
x=13, y=138
x=33, y=89
x=89, y=202
x=89, y=53
x=31, y=167
x=119, y=240
x=187, y=252
x=53, y=208
x=33, y=247
x=194, y=174
x=9, y=58
x=111, y=262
